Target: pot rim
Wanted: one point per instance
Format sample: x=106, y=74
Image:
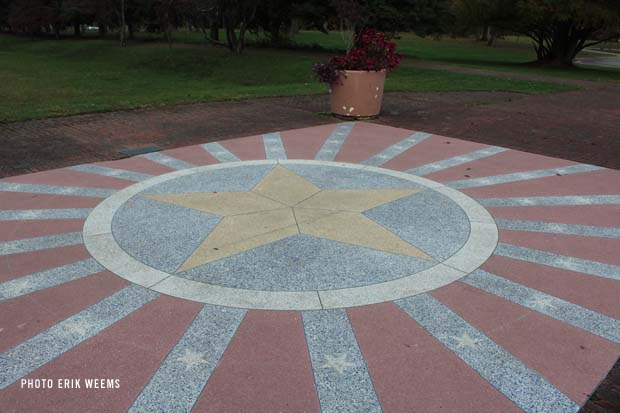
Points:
x=363, y=71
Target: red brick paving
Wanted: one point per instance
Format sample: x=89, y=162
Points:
x=501, y=163
x=596, y=293
x=597, y=215
x=266, y=368
x=305, y=143
x=365, y=140
x=605, y=182
x=192, y=154
x=30, y=314
x=23, y=200
x=394, y=346
x=434, y=148
x=118, y=352
x=579, y=125
x=13, y=230
x=137, y=164
x=566, y=356
x=17, y=265
x=71, y=178
x=248, y=148
x=588, y=248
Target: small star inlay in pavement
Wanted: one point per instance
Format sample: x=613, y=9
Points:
x=465, y=340
x=192, y=358
x=338, y=363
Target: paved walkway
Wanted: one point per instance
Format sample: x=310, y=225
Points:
x=579, y=125
x=343, y=267
x=603, y=60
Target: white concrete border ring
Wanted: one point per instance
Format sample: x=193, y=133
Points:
x=103, y=247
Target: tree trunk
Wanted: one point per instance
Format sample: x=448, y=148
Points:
x=123, y=37
x=230, y=38
x=214, y=30
x=76, y=29
x=103, y=30
x=559, y=44
x=294, y=28
x=275, y=33
x=237, y=17
x=169, y=34
x=485, y=33
x=491, y=37
x=241, y=39
x=561, y=53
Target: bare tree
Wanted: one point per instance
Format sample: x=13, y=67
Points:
x=237, y=16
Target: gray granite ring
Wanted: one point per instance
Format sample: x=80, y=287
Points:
x=102, y=245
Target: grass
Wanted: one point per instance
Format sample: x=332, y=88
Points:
x=446, y=50
x=456, y=50
x=513, y=54
x=45, y=78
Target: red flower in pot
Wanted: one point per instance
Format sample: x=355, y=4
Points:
x=357, y=77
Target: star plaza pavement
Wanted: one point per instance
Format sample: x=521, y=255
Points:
x=349, y=267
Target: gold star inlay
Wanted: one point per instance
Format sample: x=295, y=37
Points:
x=284, y=204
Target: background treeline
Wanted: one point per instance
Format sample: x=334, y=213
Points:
x=277, y=18
x=559, y=29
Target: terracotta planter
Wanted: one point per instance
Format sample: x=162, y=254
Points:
x=359, y=93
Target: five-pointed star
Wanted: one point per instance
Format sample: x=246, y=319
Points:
x=28, y=214
x=284, y=204
x=192, y=358
x=79, y=327
x=337, y=363
x=9, y=248
x=18, y=286
x=465, y=341
x=543, y=302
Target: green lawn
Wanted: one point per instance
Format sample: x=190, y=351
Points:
x=45, y=78
x=512, y=54
x=446, y=49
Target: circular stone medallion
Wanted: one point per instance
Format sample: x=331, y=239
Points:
x=290, y=235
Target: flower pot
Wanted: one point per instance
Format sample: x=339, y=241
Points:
x=358, y=94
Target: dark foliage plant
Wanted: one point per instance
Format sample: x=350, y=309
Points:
x=326, y=72
x=372, y=51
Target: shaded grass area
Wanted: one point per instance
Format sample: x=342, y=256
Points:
x=45, y=78
x=512, y=54
x=514, y=50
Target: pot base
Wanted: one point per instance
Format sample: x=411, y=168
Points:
x=361, y=117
